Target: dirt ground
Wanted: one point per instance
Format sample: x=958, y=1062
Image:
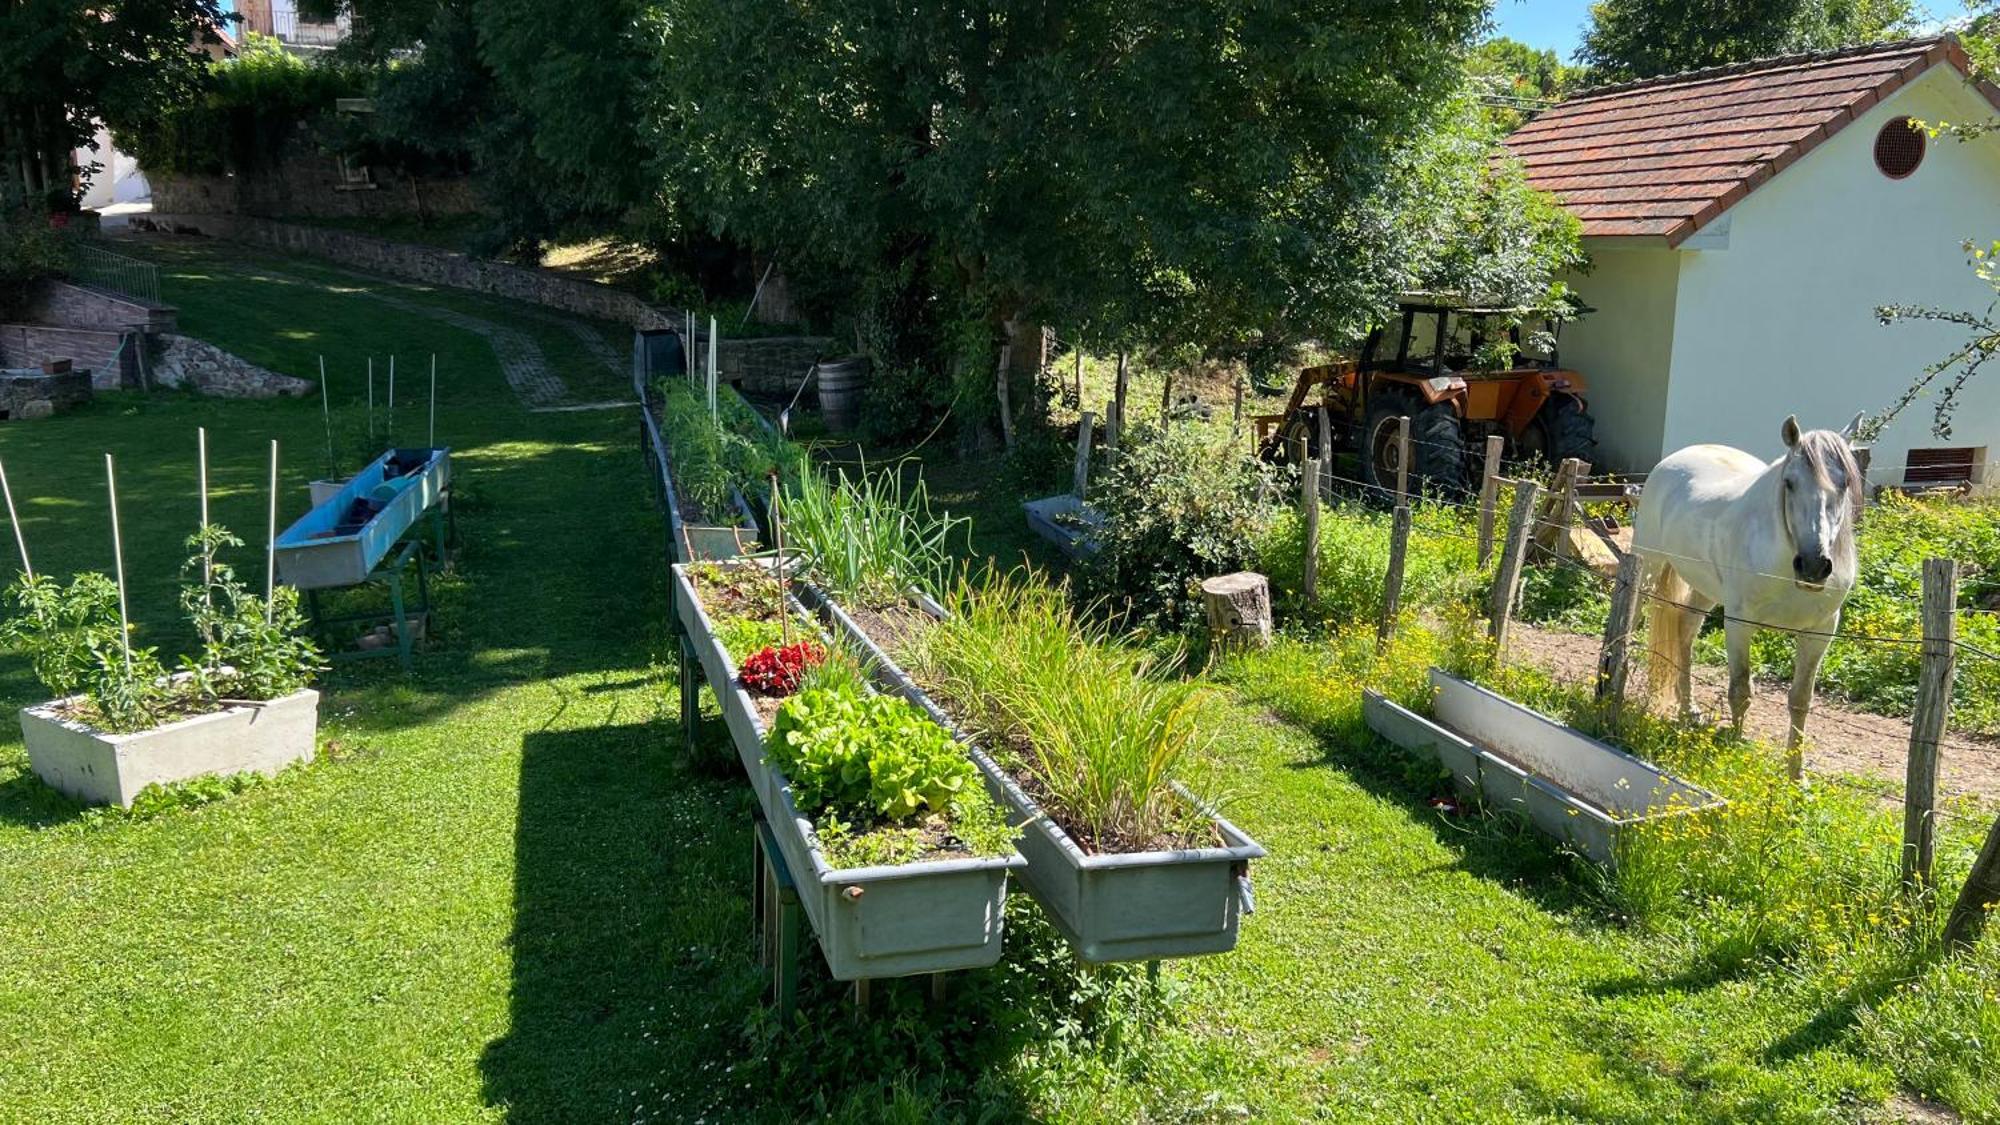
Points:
x=1839, y=740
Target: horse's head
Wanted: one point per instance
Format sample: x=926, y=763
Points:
x=1821, y=486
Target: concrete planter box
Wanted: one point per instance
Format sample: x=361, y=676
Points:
x=1581, y=791
x=1137, y=906
x=111, y=769
x=872, y=922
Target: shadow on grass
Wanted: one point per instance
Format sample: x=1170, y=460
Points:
x=25, y=800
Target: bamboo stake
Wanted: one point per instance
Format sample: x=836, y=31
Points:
x=118, y=561
x=778, y=549
x=1927, y=723
x=371, y=401
x=14, y=521
x=207, y=549
x=432, y=439
x=712, y=339
x=326, y=416
x=271, y=551
x=392, y=400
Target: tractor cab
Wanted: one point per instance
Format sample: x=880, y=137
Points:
x=1461, y=373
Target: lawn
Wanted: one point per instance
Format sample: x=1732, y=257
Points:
x=506, y=892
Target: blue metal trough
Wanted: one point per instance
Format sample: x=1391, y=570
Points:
x=340, y=541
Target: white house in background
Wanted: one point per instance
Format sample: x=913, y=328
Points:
x=1744, y=224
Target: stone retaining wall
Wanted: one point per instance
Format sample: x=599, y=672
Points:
x=185, y=362
x=311, y=183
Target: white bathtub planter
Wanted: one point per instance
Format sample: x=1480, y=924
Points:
x=904, y=919
x=111, y=769
x=1581, y=791
x=1133, y=906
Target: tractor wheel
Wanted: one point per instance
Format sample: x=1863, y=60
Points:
x=1561, y=429
x=1296, y=441
x=1437, y=444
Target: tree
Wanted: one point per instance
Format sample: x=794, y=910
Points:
x=1643, y=38
x=1949, y=374
x=1180, y=173
x=69, y=64
x=1513, y=78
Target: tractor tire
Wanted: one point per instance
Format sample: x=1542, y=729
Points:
x=1437, y=444
x=1296, y=441
x=1561, y=429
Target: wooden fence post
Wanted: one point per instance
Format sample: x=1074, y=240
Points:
x=1236, y=420
x=1489, y=496
x=1006, y=410
x=1077, y=353
x=1613, y=664
x=1927, y=723
x=1325, y=449
x=1166, y=400
x=1117, y=422
x=1507, y=583
x=1080, y=478
x=1309, y=499
x=1982, y=890
x=1863, y=454
x=1399, y=540
x=1110, y=428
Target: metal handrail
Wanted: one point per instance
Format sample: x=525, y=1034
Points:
x=91, y=264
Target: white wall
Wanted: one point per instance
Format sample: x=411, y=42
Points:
x=1782, y=320
x=1622, y=350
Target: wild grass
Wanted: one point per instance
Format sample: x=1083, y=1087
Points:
x=868, y=537
x=1109, y=735
x=1440, y=569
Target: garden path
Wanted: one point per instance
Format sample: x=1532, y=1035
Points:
x=1840, y=740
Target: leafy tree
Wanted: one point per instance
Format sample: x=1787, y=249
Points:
x=1512, y=78
x=1643, y=38
x=239, y=113
x=1170, y=173
x=67, y=64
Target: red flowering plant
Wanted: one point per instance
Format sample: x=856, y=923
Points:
x=776, y=669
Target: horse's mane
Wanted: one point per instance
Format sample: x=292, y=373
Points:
x=1819, y=447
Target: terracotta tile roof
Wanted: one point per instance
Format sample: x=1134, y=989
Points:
x=1662, y=157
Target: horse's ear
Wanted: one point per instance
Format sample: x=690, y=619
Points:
x=1848, y=431
x=1790, y=430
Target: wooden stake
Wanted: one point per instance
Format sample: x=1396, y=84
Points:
x=1489, y=496
x=118, y=561
x=1325, y=447
x=1166, y=400
x=1392, y=583
x=1403, y=460
x=271, y=551
x=1863, y=454
x=1000, y=391
x=326, y=416
x=1507, y=583
x=1613, y=663
x=1236, y=420
x=1976, y=900
x=14, y=521
x=1309, y=500
x=1118, y=387
x=1110, y=429
x=1080, y=476
x=1927, y=724
x=1078, y=354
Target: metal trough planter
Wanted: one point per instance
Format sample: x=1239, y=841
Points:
x=1067, y=522
x=325, y=548
x=872, y=922
x=1580, y=790
x=1136, y=906
x=689, y=542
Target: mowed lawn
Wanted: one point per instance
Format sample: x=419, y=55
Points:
x=507, y=892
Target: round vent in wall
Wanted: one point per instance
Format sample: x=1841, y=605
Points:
x=1899, y=148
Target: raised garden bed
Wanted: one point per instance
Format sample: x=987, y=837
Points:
x=111, y=769
x=1111, y=906
x=694, y=533
x=1581, y=791
x=887, y=920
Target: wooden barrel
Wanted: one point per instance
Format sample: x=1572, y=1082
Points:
x=841, y=384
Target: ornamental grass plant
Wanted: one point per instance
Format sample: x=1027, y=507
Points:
x=1109, y=737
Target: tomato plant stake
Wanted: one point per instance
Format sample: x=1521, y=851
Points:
x=326, y=416
x=14, y=521
x=371, y=398
x=271, y=551
x=392, y=400
x=432, y=439
x=207, y=553
x=118, y=561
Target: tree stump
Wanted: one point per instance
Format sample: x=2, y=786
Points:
x=1239, y=610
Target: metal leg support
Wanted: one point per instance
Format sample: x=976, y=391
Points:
x=777, y=911
x=690, y=673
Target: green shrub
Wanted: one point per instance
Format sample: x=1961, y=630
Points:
x=1178, y=506
x=250, y=109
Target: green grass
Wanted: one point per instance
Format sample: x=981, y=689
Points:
x=503, y=893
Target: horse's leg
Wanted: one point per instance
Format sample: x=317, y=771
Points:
x=1805, y=673
x=1692, y=616
x=1737, y=635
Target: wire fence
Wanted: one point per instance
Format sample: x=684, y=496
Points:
x=93, y=265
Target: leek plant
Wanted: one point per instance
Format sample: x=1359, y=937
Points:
x=1110, y=736
x=867, y=537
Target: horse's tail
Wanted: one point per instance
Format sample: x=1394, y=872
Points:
x=1670, y=642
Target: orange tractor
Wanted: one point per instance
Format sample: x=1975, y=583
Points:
x=1431, y=372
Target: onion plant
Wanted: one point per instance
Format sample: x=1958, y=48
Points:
x=1110, y=736
x=866, y=536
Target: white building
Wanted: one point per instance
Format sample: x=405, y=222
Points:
x=1744, y=224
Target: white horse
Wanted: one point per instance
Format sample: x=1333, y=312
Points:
x=1772, y=544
